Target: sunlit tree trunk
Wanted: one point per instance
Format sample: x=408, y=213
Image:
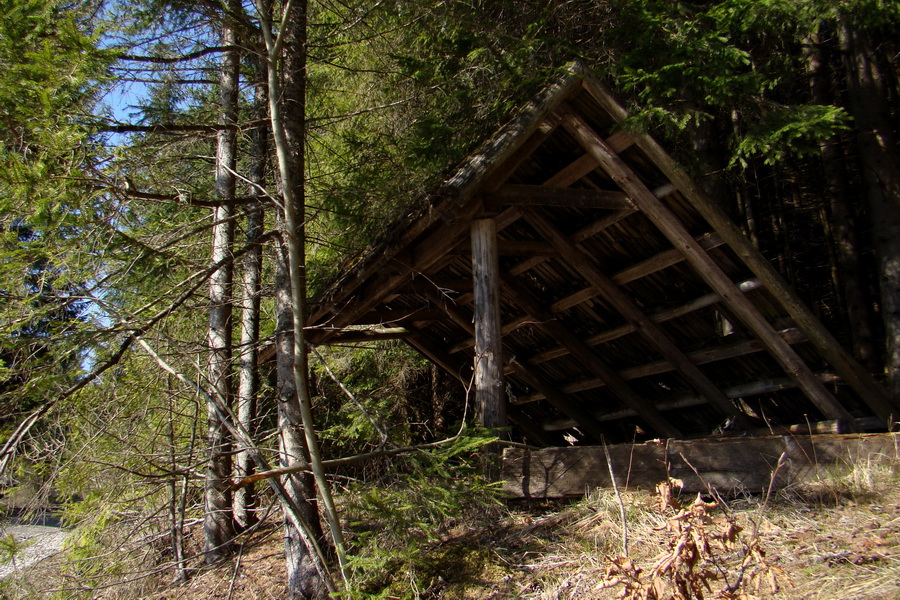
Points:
x=248, y=386
x=218, y=520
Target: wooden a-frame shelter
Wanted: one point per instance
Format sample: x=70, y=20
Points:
x=591, y=290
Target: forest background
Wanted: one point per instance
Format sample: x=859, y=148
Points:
x=151, y=252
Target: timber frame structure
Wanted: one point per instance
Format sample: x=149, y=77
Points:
x=590, y=290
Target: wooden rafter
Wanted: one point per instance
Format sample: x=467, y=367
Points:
x=875, y=395
x=586, y=356
x=672, y=228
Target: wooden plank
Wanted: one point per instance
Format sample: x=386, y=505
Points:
x=349, y=336
x=703, y=356
x=490, y=392
x=729, y=465
x=875, y=395
x=654, y=264
x=583, y=354
x=578, y=258
x=535, y=195
x=675, y=231
x=746, y=390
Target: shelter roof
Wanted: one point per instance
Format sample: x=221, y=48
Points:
x=631, y=306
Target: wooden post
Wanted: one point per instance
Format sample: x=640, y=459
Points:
x=489, y=386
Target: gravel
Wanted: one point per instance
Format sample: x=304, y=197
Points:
x=39, y=543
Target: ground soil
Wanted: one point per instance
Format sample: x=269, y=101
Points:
x=836, y=539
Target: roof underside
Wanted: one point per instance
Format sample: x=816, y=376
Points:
x=610, y=326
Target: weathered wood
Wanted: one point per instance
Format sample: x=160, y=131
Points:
x=656, y=263
x=349, y=336
x=576, y=256
x=562, y=402
x=703, y=356
x=583, y=353
x=746, y=390
x=729, y=465
x=490, y=396
x=871, y=392
x=385, y=316
x=675, y=231
x=535, y=195
x=587, y=163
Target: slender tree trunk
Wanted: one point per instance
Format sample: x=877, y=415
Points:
x=841, y=227
x=248, y=387
x=289, y=119
x=880, y=159
x=218, y=522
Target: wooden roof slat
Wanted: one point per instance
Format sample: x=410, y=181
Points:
x=586, y=163
x=757, y=387
x=654, y=264
x=659, y=317
x=672, y=228
x=622, y=302
x=700, y=357
x=583, y=353
x=874, y=394
x=536, y=195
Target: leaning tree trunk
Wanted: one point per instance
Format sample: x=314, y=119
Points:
x=248, y=386
x=218, y=524
x=880, y=160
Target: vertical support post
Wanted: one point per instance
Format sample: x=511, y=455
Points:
x=490, y=396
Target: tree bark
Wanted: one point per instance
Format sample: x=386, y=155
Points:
x=218, y=523
x=841, y=227
x=296, y=443
x=880, y=161
x=248, y=386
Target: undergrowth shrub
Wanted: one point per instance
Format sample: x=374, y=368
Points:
x=391, y=524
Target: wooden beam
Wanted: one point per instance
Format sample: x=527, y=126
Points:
x=586, y=163
x=397, y=315
x=583, y=353
x=875, y=395
x=654, y=264
x=745, y=390
x=730, y=465
x=673, y=229
x=348, y=336
x=535, y=195
x=575, y=255
x=700, y=357
x=490, y=391
x=562, y=402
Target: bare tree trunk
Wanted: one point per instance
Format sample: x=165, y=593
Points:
x=296, y=443
x=218, y=523
x=841, y=227
x=248, y=387
x=880, y=160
